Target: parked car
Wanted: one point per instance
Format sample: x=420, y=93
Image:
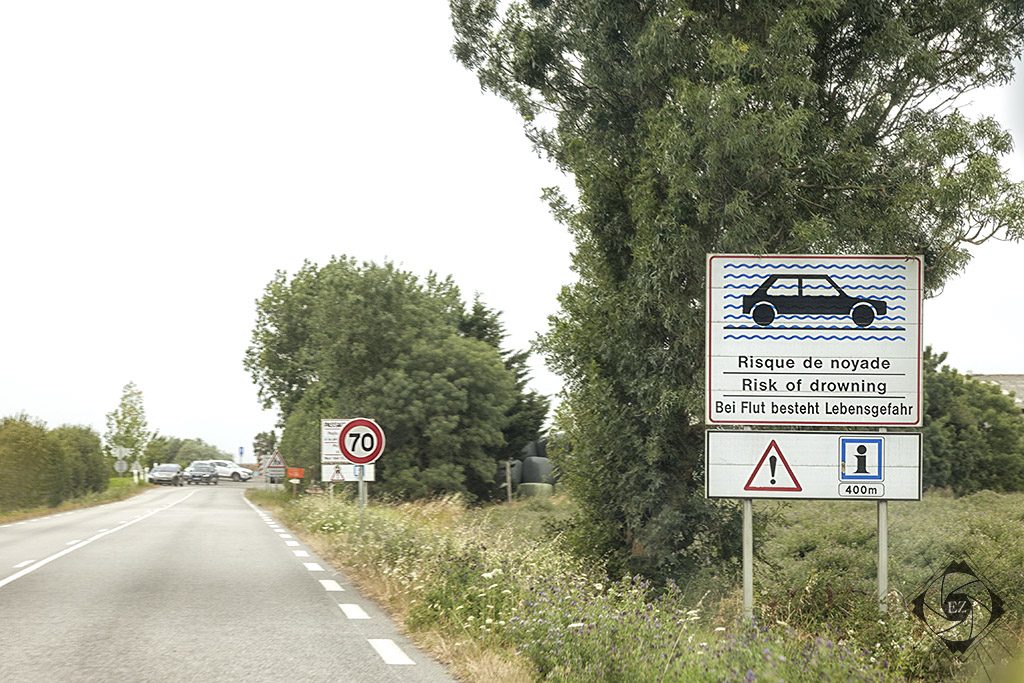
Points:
x=201, y=473
x=815, y=294
x=166, y=474
x=231, y=470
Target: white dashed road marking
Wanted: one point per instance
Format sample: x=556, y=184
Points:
x=285, y=535
x=389, y=652
x=81, y=544
x=354, y=611
x=300, y=553
x=312, y=566
x=331, y=585
x=291, y=544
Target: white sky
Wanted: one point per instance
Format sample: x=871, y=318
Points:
x=159, y=161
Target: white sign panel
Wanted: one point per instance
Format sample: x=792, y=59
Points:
x=814, y=340
x=338, y=473
x=799, y=465
x=330, y=449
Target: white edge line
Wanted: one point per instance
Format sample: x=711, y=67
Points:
x=353, y=611
x=47, y=560
x=389, y=652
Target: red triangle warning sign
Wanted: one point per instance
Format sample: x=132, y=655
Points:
x=772, y=472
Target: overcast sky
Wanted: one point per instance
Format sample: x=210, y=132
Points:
x=160, y=161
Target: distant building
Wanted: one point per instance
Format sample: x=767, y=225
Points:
x=1009, y=384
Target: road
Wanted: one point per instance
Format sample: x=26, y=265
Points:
x=186, y=584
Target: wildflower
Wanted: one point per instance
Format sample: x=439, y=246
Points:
x=719, y=628
x=577, y=624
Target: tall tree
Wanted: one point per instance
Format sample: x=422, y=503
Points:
x=350, y=340
x=126, y=424
x=529, y=411
x=698, y=126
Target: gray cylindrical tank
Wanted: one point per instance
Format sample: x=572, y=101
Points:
x=537, y=470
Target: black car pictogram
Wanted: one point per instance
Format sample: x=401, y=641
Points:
x=814, y=295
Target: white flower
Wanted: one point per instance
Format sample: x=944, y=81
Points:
x=719, y=628
x=578, y=624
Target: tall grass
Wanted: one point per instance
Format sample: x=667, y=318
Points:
x=470, y=585
x=819, y=567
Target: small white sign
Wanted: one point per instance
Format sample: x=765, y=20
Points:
x=330, y=448
x=334, y=473
x=802, y=465
x=814, y=340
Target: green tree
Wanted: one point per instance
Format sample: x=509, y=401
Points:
x=158, y=451
x=346, y=340
x=263, y=444
x=973, y=433
x=529, y=411
x=87, y=469
x=126, y=424
x=33, y=465
x=696, y=127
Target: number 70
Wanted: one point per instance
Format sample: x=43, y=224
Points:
x=364, y=441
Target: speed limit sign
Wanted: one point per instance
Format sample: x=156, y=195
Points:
x=361, y=441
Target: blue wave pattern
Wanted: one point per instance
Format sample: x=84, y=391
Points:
x=871, y=287
x=876, y=281
x=895, y=318
x=819, y=266
x=810, y=337
x=758, y=276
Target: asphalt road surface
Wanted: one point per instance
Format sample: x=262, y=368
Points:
x=186, y=584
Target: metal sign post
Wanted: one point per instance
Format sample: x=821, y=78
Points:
x=883, y=554
x=362, y=495
x=748, y=560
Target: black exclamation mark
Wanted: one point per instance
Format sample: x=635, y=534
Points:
x=771, y=463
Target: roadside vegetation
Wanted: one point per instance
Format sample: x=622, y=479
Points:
x=44, y=467
x=495, y=593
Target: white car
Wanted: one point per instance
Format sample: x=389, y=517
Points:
x=231, y=470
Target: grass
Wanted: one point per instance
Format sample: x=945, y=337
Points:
x=118, y=489
x=493, y=593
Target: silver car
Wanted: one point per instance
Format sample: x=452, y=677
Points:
x=166, y=474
